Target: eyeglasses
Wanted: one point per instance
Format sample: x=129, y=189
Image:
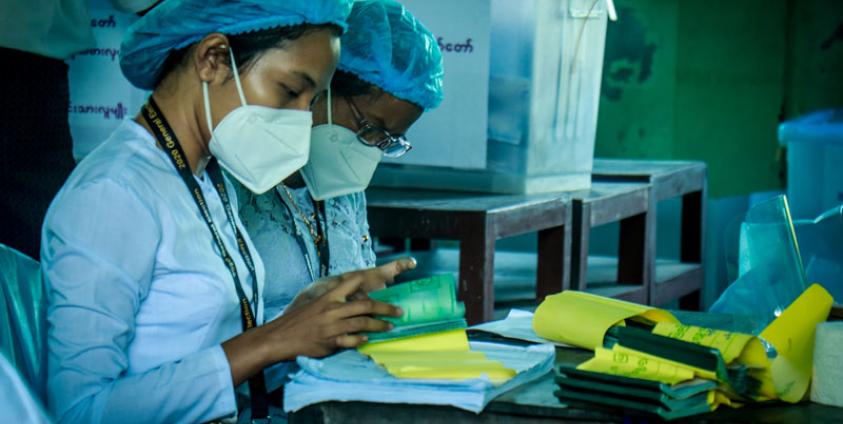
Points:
x=371, y=135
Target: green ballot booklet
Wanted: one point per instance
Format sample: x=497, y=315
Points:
x=430, y=305
x=586, y=389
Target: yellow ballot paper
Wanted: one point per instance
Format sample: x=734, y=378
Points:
x=792, y=334
x=582, y=319
x=740, y=348
x=637, y=365
x=445, y=356
x=449, y=341
x=449, y=366
x=731, y=345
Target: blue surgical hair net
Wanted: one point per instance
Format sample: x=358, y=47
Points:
x=387, y=46
x=175, y=24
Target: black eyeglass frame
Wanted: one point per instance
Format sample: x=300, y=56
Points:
x=371, y=135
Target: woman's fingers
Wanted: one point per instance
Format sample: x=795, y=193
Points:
x=367, y=307
x=360, y=324
x=350, y=341
x=346, y=288
x=359, y=295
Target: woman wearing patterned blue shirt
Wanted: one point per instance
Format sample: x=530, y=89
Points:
x=315, y=224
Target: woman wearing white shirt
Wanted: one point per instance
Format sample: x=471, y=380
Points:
x=151, y=281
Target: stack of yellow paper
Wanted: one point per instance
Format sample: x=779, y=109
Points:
x=444, y=356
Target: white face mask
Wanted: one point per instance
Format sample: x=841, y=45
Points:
x=339, y=163
x=259, y=146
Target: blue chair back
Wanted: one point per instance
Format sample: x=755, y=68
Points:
x=23, y=317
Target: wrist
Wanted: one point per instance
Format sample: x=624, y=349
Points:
x=275, y=345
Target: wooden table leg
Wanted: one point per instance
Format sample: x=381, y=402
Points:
x=691, y=301
x=477, y=263
x=420, y=244
x=632, y=249
x=580, y=231
x=635, y=250
x=690, y=249
x=691, y=245
x=551, y=275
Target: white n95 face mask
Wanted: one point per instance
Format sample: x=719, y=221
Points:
x=259, y=146
x=339, y=163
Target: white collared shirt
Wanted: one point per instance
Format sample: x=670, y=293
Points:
x=139, y=297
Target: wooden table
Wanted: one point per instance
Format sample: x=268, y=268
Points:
x=625, y=191
x=667, y=179
x=477, y=220
x=535, y=403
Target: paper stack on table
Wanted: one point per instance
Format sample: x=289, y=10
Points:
x=668, y=401
x=517, y=325
x=425, y=359
x=646, y=343
x=429, y=339
x=351, y=376
x=445, y=355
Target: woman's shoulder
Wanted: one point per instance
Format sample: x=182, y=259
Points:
x=127, y=158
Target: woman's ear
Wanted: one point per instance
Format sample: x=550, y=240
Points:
x=211, y=59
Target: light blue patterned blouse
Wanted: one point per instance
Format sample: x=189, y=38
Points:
x=275, y=234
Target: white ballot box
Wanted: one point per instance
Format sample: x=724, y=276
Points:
x=522, y=87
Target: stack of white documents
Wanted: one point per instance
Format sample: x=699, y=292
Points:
x=352, y=376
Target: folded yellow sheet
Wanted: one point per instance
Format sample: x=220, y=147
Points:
x=444, y=355
x=582, y=319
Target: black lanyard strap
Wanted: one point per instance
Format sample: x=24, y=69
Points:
x=167, y=138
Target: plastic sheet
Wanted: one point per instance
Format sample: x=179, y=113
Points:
x=771, y=275
x=23, y=325
x=822, y=253
x=16, y=401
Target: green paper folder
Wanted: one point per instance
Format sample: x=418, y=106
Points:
x=430, y=305
x=640, y=387
x=586, y=389
x=736, y=377
x=589, y=401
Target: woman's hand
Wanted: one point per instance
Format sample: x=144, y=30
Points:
x=315, y=329
x=372, y=279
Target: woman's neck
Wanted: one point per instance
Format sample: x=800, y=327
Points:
x=182, y=117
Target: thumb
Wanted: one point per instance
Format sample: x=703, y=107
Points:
x=389, y=271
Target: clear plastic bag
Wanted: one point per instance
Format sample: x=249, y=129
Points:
x=821, y=247
x=770, y=271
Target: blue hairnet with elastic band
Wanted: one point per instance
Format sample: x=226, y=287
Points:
x=387, y=46
x=175, y=24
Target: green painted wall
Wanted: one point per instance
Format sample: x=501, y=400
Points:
x=814, y=79
x=639, y=81
x=711, y=80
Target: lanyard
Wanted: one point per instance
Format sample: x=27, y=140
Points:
x=167, y=138
x=322, y=250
